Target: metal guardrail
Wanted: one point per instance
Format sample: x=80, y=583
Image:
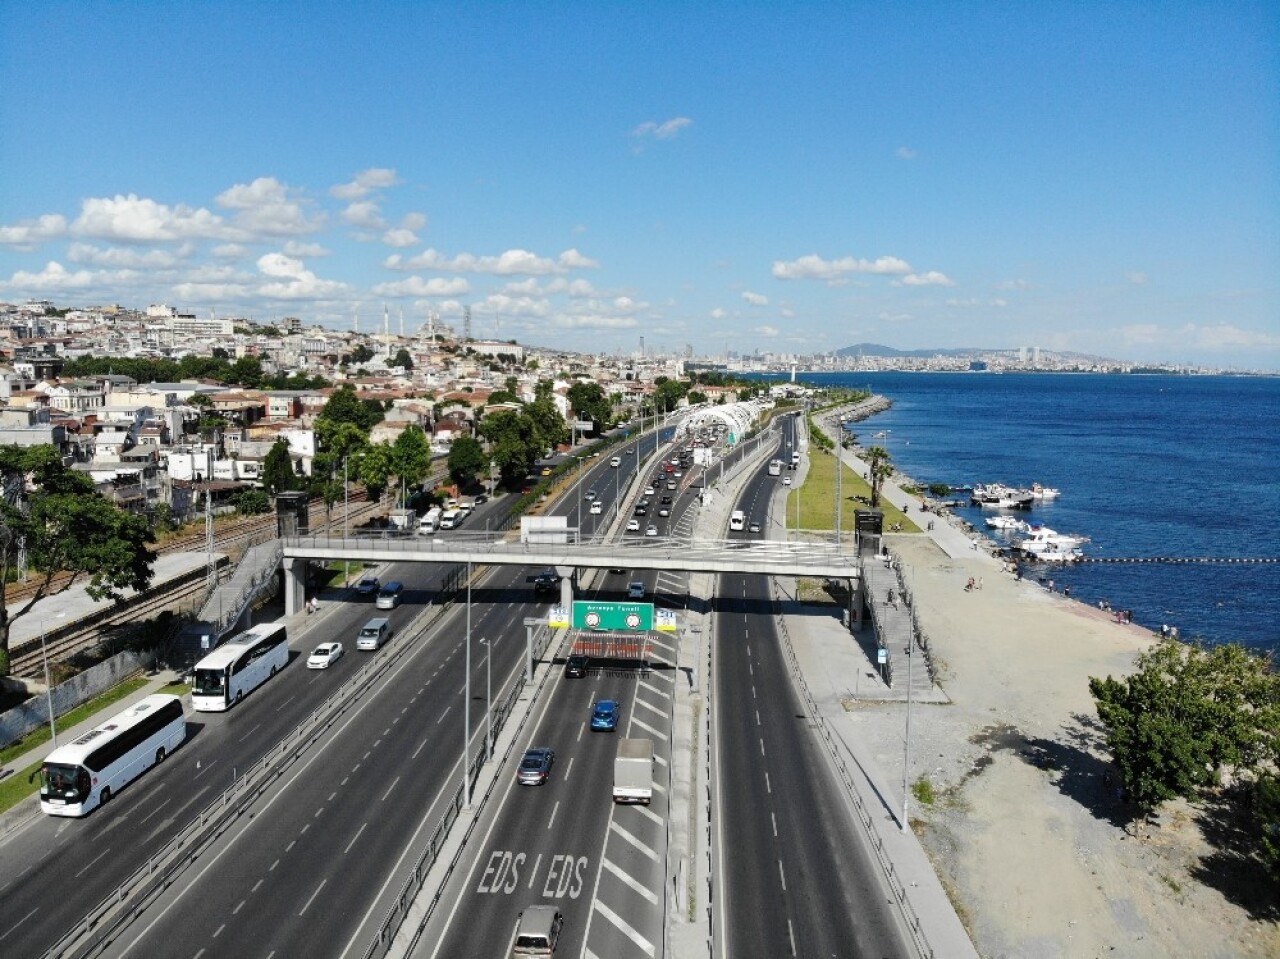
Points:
x=909, y=914
x=99, y=927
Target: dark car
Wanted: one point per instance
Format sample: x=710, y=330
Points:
x=546, y=582
x=665, y=501
x=575, y=667
x=535, y=767
x=604, y=716
x=368, y=587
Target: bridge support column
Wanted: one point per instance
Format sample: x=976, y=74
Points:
x=295, y=586
x=568, y=581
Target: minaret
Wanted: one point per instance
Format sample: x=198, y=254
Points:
x=355, y=321
x=402, y=322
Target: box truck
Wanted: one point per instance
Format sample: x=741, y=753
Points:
x=633, y=771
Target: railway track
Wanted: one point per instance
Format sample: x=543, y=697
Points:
x=26, y=660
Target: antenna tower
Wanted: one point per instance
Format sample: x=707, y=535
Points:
x=466, y=325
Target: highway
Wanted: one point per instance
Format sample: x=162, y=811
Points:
x=565, y=842
x=795, y=872
x=313, y=867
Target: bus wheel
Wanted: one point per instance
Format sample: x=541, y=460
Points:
x=239, y=695
x=105, y=797
x=159, y=755
x=273, y=670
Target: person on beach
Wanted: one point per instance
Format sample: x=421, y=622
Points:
x=968, y=587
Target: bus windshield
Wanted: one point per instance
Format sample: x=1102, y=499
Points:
x=209, y=682
x=70, y=783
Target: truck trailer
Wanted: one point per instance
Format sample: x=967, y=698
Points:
x=633, y=771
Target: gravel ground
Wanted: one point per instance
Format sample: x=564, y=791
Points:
x=1027, y=829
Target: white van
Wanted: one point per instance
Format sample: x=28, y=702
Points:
x=616, y=461
x=452, y=519
x=373, y=634
x=737, y=520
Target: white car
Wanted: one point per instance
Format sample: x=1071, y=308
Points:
x=616, y=462
x=324, y=656
x=649, y=490
x=664, y=511
x=651, y=530
x=633, y=526
x=786, y=481
x=591, y=495
x=597, y=506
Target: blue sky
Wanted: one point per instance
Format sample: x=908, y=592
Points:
x=1099, y=177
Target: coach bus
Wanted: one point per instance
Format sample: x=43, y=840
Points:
x=88, y=771
x=226, y=675
x=775, y=467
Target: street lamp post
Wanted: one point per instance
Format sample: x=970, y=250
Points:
x=466, y=707
x=48, y=688
x=488, y=695
x=906, y=759
x=346, y=501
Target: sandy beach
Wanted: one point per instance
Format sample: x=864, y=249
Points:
x=1027, y=831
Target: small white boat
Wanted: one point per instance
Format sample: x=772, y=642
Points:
x=1006, y=524
x=996, y=496
x=1044, y=492
x=1047, y=544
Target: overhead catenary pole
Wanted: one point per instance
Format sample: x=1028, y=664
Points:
x=466, y=707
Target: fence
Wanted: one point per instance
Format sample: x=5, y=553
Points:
x=34, y=713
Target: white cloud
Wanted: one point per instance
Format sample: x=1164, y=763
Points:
x=264, y=208
x=210, y=292
x=1220, y=336
x=905, y=153
x=137, y=219
x=27, y=233
x=1136, y=277
x=364, y=213
x=1013, y=285
x=414, y=221
x=662, y=131
x=717, y=314
x=931, y=278
x=128, y=257
x=295, y=281
x=503, y=305
x=755, y=299
x=366, y=182
x=400, y=237
x=573, y=260
x=54, y=276
x=509, y=263
x=417, y=286
x=298, y=248
x=576, y=321
x=814, y=267
x=233, y=251
x=765, y=331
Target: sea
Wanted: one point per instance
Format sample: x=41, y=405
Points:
x=1150, y=467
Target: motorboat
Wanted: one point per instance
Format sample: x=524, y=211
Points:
x=1047, y=544
x=1007, y=524
x=996, y=496
x=1044, y=492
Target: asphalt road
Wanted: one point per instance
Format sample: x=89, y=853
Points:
x=314, y=867
x=796, y=875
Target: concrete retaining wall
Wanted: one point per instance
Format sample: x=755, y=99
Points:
x=32, y=714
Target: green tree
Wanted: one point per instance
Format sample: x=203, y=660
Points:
x=513, y=442
x=251, y=502
x=66, y=527
x=345, y=407
x=402, y=359
x=466, y=461
x=549, y=427
x=1186, y=714
x=880, y=468
x=589, y=403
x=361, y=354
x=1266, y=820
x=247, y=372
x=376, y=467
x=278, y=474
x=411, y=456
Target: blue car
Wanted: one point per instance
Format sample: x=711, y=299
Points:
x=605, y=715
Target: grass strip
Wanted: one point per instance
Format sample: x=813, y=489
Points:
x=38, y=737
x=817, y=498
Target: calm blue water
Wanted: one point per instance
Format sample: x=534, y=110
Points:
x=1148, y=466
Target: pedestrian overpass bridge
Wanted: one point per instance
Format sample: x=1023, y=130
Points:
x=821, y=560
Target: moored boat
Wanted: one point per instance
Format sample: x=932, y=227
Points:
x=1007, y=524
x=1047, y=544
x=1044, y=492
x=996, y=496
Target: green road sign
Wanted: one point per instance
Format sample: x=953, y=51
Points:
x=618, y=617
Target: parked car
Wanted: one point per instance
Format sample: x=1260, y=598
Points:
x=368, y=587
x=535, y=767
x=575, y=667
x=604, y=716
x=324, y=656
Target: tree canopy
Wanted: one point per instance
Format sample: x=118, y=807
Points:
x=466, y=460
x=66, y=527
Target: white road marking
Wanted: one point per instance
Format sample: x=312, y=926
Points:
x=354, y=838
x=649, y=729
x=90, y=863
x=782, y=875
x=444, y=714
x=19, y=922
x=313, y=896
x=389, y=789
x=633, y=883
x=569, y=768
x=653, y=689
x=554, y=809
x=649, y=813
x=650, y=706
x=623, y=926
x=614, y=827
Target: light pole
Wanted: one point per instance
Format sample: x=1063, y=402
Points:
x=466, y=707
x=48, y=688
x=346, y=501
x=906, y=759
x=488, y=695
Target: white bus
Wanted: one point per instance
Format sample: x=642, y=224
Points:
x=737, y=520
x=775, y=467
x=224, y=676
x=88, y=771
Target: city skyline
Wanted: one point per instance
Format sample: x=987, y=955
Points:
x=1090, y=178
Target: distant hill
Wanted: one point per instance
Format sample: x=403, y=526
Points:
x=877, y=349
